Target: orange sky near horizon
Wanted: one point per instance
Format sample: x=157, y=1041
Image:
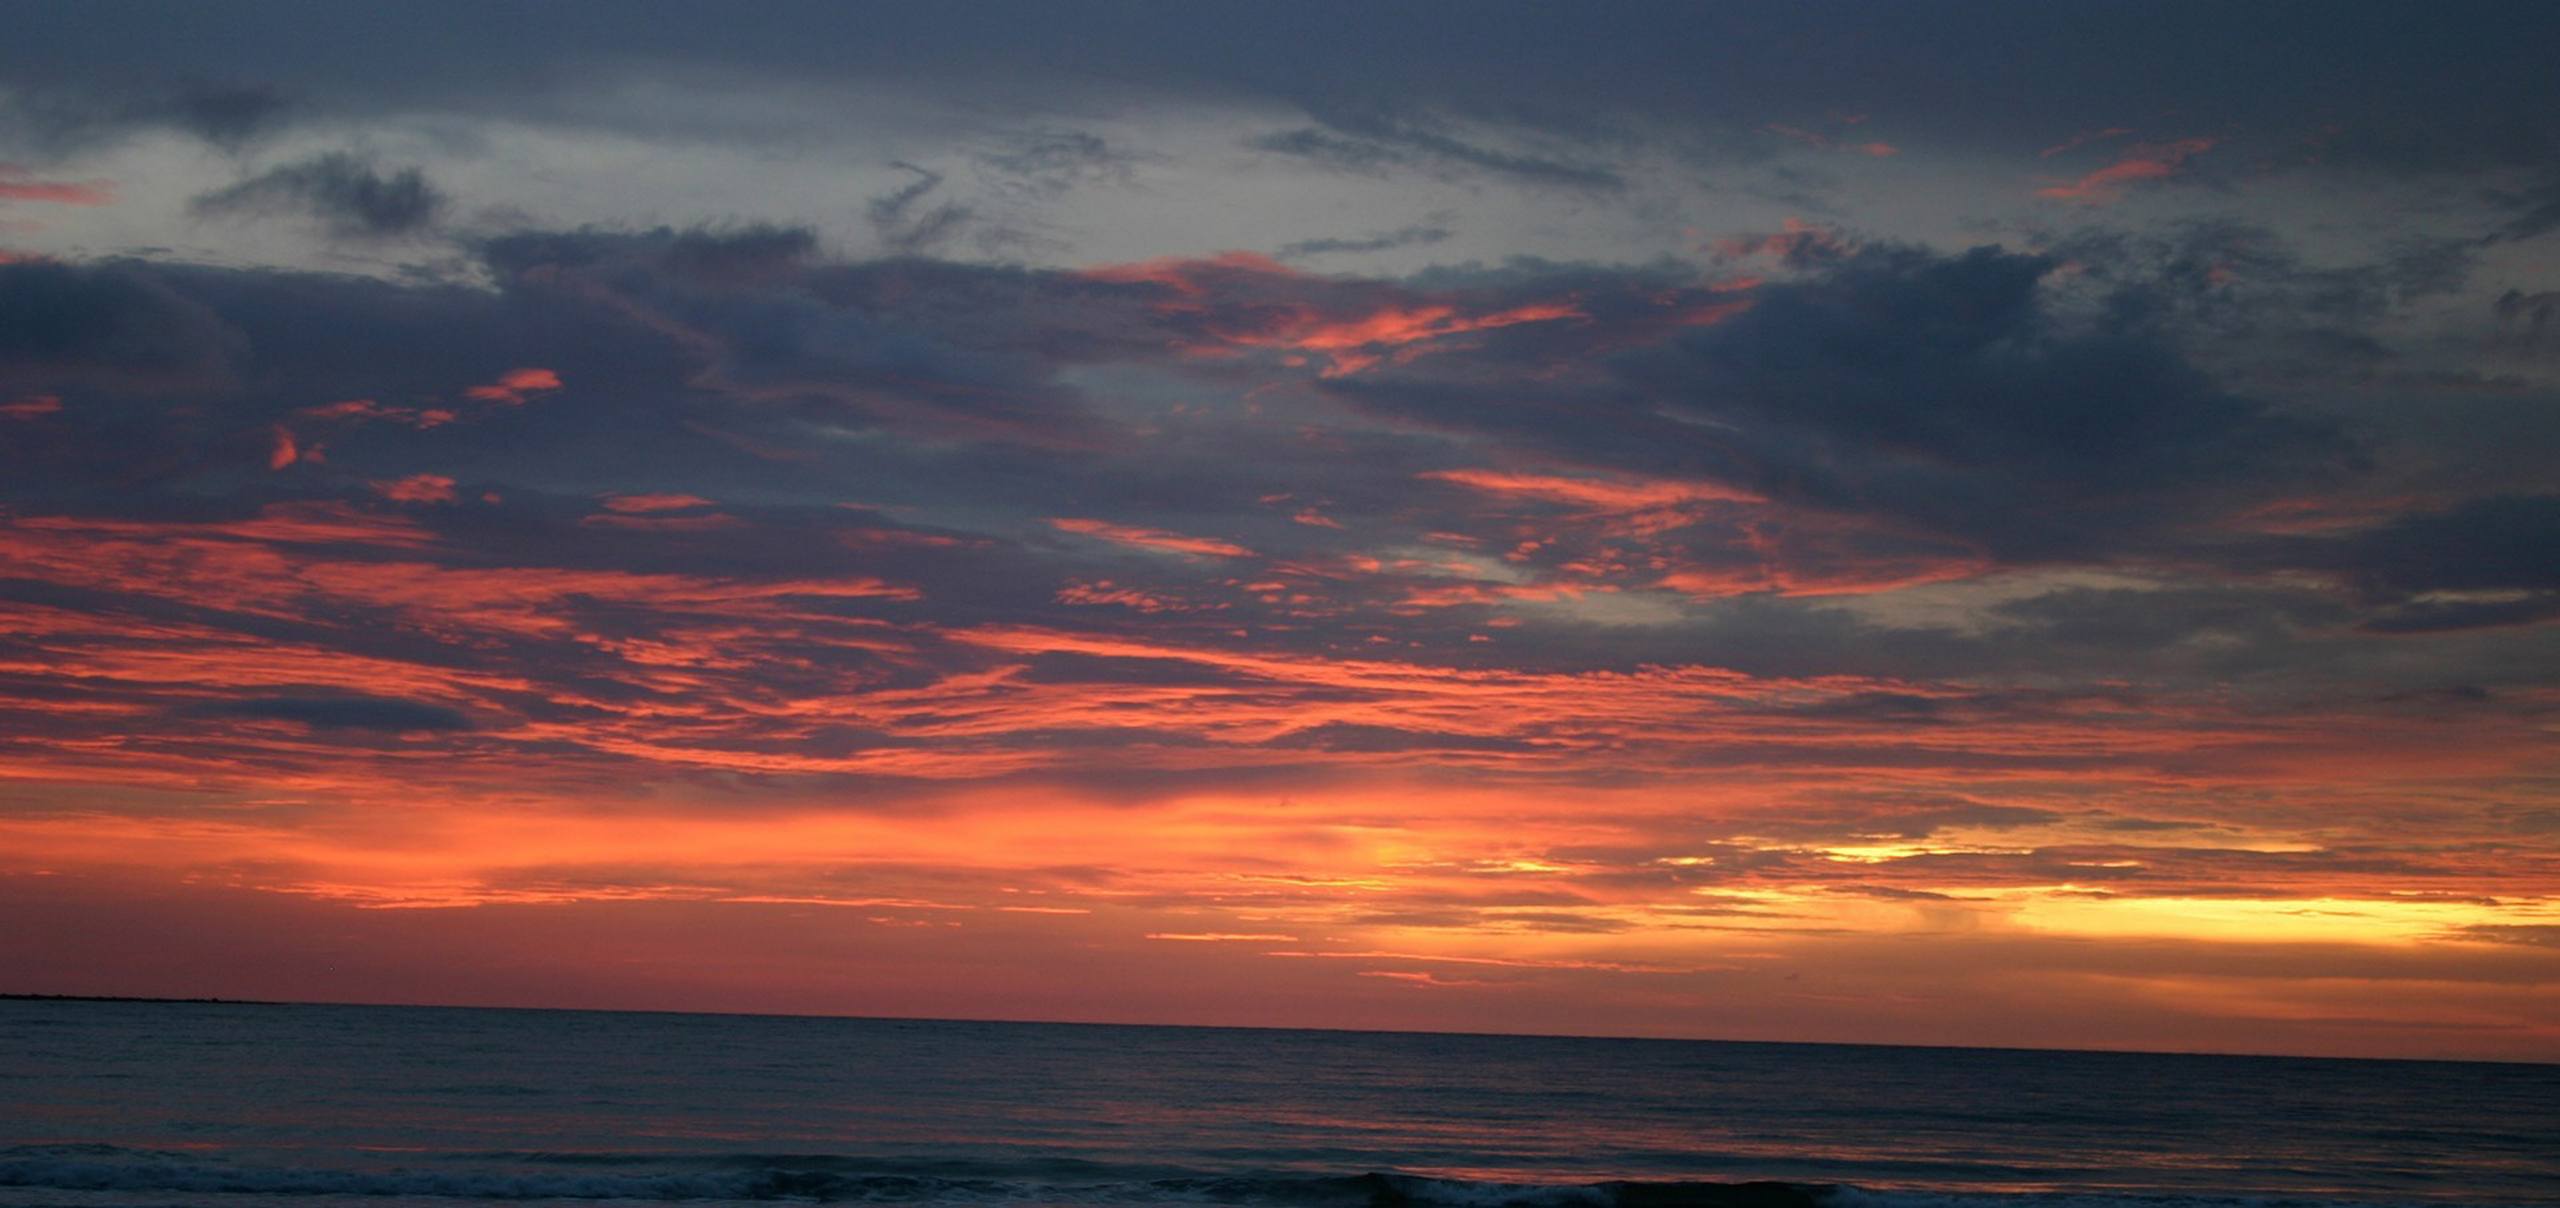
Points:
x=1122, y=824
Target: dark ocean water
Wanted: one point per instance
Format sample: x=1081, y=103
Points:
x=242, y=1106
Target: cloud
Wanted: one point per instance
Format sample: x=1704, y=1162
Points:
x=1046, y=164
x=2538, y=211
x=55, y=119
x=2147, y=162
x=341, y=190
x=515, y=386
x=1147, y=538
x=656, y=501
x=347, y=713
x=1597, y=494
x=1402, y=237
x=2528, y=319
x=739, y=256
x=418, y=488
x=906, y=228
x=1938, y=394
x=1371, y=144
x=2499, y=543
x=17, y=185
x=114, y=322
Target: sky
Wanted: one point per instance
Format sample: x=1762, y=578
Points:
x=1934, y=524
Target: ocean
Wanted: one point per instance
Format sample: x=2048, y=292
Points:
x=250, y=1106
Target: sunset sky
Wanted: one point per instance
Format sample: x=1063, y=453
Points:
x=1953, y=524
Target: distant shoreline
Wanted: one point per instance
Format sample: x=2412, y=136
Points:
x=228, y=1002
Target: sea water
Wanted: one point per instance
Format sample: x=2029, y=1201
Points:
x=248, y=1106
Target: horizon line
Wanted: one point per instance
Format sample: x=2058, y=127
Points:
x=202, y=1000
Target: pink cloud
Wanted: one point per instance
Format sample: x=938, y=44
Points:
x=418, y=488
x=1796, y=240
x=1596, y=494
x=515, y=386
x=1184, y=275
x=2149, y=161
x=658, y=502
x=16, y=186
x=368, y=409
x=1147, y=538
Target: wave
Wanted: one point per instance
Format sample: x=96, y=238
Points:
x=747, y=1178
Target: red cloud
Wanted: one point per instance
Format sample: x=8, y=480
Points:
x=284, y=452
x=31, y=406
x=1148, y=538
x=515, y=386
x=2149, y=161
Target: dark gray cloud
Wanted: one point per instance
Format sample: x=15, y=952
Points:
x=47, y=120
x=341, y=190
x=117, y=322
x=1941, y=390
x=1384, y=241
x=347, y=713
x=2496, y=543
x=907, y=225
x=2529, y=320
x=2537, y=210
x=1371, y=146
x=1943, y=393
x=1045, y=164
x=2358, y=85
